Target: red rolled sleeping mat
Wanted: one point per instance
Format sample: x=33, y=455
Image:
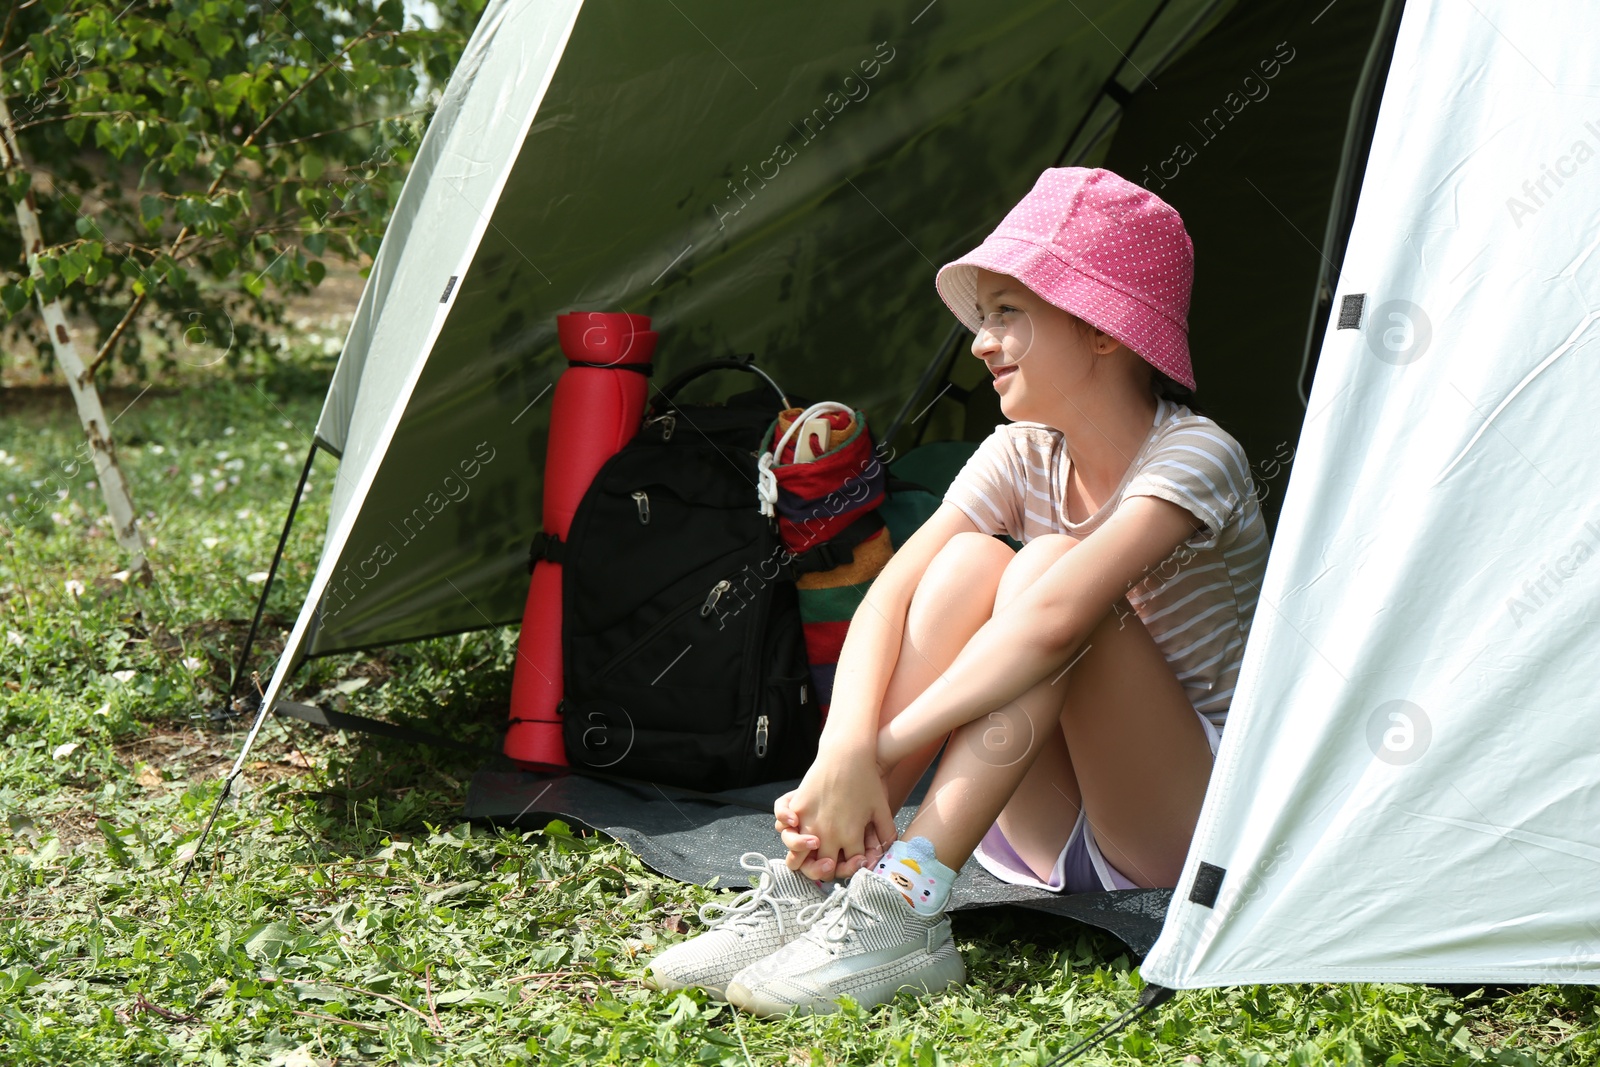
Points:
x=597, y=408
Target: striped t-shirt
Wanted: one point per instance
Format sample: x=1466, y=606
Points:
x=1199, y=603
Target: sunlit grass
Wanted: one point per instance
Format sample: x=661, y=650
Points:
x=342, y=913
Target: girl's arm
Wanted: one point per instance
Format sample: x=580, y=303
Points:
x=842, y=796
x=1040, y=632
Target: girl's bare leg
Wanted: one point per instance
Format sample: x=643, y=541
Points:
x=954, y=599
x=1113, y=731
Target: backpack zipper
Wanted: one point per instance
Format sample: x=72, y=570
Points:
x=751, y=672
x=713, y=596
x=668, y=421
x=667, y=620
x=641, y=500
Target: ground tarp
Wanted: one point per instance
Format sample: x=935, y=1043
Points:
x=694, y=839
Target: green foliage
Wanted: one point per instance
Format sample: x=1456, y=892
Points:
x=266, y=136
x=344, y=913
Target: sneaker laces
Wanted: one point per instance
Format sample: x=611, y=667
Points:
x=743, y=909
x=831, y=919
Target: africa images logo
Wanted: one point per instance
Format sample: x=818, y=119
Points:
x=1251, y=89
x=852, y=89
x=345, y=586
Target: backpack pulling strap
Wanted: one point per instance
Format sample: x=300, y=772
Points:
x=670, y=390
x=546, y=546
x=646, y=369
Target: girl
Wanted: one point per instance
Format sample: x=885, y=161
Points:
x=1077, y=686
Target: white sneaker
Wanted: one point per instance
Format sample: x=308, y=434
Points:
x=751, y=926
x=864, y=941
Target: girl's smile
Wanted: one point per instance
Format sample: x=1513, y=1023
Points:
x=1001, y=373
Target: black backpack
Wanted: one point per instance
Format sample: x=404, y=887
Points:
x=683, y=656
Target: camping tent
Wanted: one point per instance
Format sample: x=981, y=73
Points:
x=785, y=181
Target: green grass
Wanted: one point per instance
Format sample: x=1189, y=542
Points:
x=342, y=912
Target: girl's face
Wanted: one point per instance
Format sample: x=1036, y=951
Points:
x=1039, y=355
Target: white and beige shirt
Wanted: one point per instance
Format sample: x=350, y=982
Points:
x=1197, y=605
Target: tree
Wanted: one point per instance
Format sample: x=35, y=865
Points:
x=191, y=163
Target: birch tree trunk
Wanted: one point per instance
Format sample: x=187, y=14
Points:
x=113, y=486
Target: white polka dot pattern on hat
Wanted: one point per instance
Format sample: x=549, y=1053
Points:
x=1095, y=244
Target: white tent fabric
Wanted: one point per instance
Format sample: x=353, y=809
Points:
x=439, y=218
x=1408, y=787
x=461, y=166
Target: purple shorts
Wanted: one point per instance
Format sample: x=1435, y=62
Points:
x=1079, y=869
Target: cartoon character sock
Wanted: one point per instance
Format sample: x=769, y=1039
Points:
x=914, y=870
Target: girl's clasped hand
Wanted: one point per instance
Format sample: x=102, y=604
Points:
x=838, y=819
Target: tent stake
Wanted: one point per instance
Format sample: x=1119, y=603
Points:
x=227, y=783
x=1152, y=998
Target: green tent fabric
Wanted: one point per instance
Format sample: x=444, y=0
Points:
x=757, y=179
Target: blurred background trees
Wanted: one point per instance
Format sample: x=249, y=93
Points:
x=193, y=164
x=199, y=160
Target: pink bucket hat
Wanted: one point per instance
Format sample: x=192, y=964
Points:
x=1094, y=244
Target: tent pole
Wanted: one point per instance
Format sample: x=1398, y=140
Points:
x=244, y=659
x=1119, y=94
x=272, y=571
x=922, y=383
x=1347, y=183
x=947, y=352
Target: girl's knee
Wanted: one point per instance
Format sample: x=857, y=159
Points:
x=1044, y=550
x=1034, y=558
x=969, y=560
x=959, y=580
